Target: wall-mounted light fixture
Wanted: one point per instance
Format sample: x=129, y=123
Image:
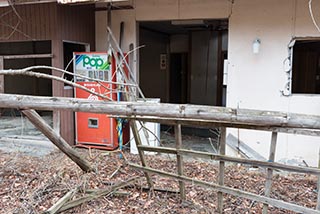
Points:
x=256, y=46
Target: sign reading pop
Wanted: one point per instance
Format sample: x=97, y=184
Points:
x=92, y=62
x=95, y=62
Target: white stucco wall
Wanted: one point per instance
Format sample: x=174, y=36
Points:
x=254, y=81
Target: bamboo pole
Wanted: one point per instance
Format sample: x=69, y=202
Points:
x=177, y=132
x=184, y=113
x=268, y=185
x=232, y=191
x=222, y=151
x=263, y=164
x=57, y=140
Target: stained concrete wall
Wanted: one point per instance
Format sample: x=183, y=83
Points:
x=254, y=81
x=204, y=62
x=153, y=79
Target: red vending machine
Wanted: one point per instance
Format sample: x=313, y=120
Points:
x=96, y=130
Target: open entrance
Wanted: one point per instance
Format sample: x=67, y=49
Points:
x=183, y=62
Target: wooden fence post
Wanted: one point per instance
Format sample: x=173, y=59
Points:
x=222, y=151
x=268, y=185
x=177, y=132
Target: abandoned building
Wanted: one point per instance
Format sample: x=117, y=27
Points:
x=254, y=55
x=197, y=52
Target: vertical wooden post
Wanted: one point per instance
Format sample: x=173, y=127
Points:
x=1, y=76
x=222, y=151
x=57, y=87
x=177, y=132
x=270, y=171
x=318, y=185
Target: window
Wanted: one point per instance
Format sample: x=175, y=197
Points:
x=306, y=67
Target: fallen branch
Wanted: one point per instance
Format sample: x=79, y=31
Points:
x=57, y=140
x=47, y=76
x=55, y=208
x=98, y=194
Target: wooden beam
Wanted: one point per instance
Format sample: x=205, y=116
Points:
x=57, y=140
x=184, y=113
x=268, y=185
x=216, y=157
x=28, y=56
x=177, y=132
x=232, y=191
x=222, y=152
x=215, y=124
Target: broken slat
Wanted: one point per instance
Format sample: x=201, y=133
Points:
x=97, y=194
x=54, y=208
x=264, y=164
x=232, y=191
x=57, y=140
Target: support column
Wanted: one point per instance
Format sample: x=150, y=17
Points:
x=268, y=186
x=177, y=132
x=222, y=151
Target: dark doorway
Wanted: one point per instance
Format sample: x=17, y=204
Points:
x=182, y=62
x=193, y=52
x=68, y=49
x=178, y=77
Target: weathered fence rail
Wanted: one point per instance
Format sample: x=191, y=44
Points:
x=181, y=114
x=201, y=116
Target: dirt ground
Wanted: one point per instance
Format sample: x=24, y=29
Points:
x=32, y=184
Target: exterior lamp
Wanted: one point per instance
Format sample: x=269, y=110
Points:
x=256, y=46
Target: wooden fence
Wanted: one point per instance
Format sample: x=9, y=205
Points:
x=201, y=116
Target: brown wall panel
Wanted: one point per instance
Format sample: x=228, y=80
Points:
x=77, y=23
x=56, y=23
x=36, y=23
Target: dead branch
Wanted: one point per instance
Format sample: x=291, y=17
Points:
x=54, y=209
x=47, y=76
x=36, y=67
x=57, y=140
x=98, y=194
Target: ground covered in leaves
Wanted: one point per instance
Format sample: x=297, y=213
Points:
x=32, y=185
